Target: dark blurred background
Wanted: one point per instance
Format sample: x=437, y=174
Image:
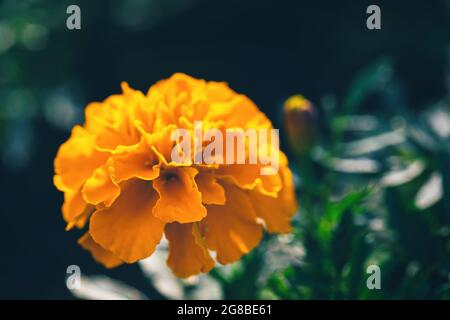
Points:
x=265, y=49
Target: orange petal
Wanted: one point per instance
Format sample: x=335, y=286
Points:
x=277, y=212
x=248, y=176
x=162, y=146
x=143, y=159
x=212, y=192
x=128, y=228
x=80, y=220
x=231, y=229
x=100, y=187
x=73, y=205
x=112, y=121
x=239, y=112
x=187, y=254
x=135, y=161
x=162, y=141
x=100, y=255
x=179, y=198
x=287, y=194
x=79, y=149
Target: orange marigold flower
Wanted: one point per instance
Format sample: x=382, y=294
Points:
x=118, y=178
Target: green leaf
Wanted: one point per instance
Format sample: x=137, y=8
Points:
x=335, y=210
x=365, y=82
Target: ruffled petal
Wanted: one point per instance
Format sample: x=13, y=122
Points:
x=101, y=188
x=112, y=121
x=277, y=212
x=136, y=161
x=231, y=229
x=179, y=198
x=187, y=252
x=100, y=255
x=248, y=176
x=239, y=112
x=212, y=192
x=128, y=228
x=142, y=160
x=73, y=208
x=79, y=149
x=80, y=220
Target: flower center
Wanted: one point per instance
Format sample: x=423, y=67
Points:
x=170, y=177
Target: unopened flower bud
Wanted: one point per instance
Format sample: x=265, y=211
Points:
x=299, y=117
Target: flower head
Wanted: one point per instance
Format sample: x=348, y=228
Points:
x=119, y=179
